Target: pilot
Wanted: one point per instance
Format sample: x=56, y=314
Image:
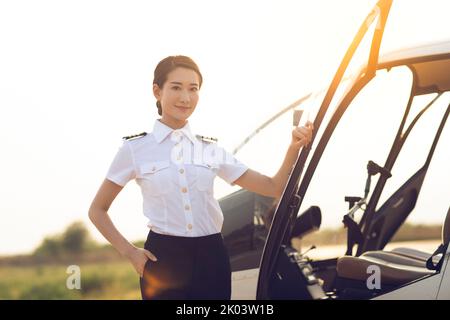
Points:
x=184, y=256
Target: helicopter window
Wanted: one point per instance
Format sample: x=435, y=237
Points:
x=433, y=200
x=365, y=132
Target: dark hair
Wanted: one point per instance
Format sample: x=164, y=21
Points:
x=167, y=65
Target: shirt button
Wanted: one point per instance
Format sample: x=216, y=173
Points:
x=184, y=190
x=189, y=226
x=181, y=171
x=187, y=207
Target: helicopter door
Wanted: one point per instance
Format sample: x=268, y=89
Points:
x=371, y=29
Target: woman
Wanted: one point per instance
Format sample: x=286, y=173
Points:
x=184, y=256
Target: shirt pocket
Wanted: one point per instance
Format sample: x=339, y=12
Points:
x=155, y=177
x=205, y=174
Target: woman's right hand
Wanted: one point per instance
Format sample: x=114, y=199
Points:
x=138, y=257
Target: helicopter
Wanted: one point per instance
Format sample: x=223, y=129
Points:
x=386, y=101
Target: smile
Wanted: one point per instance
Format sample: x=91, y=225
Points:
x=182, y=108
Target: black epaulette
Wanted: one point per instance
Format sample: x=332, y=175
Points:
x=206, y=139
x=140, y=135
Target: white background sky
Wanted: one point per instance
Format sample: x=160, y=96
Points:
x=76, y=76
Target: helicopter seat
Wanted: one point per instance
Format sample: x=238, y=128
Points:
x=397, y=267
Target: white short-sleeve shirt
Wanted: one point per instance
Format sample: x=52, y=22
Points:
x=175, y=171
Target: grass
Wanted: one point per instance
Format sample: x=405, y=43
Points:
x=107, y=275
x=108, y=280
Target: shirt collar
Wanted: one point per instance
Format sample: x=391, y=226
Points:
x=161, y=131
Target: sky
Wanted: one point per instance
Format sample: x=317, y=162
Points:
x=75, y=77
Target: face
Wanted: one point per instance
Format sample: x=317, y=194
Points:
x=178, y=96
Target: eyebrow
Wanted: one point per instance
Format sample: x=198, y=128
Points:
x=179, y=83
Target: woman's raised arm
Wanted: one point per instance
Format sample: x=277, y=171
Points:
x=274, y=186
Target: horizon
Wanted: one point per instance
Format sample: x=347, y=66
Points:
x=107, y=244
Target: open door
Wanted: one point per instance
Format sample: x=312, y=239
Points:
x=371, y=29
x=378, y=226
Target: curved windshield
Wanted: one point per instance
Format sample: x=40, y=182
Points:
x=365, y=132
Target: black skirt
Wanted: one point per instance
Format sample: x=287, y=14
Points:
x=187, y=268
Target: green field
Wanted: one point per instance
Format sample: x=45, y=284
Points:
x=102, y=280
x=105, y=274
